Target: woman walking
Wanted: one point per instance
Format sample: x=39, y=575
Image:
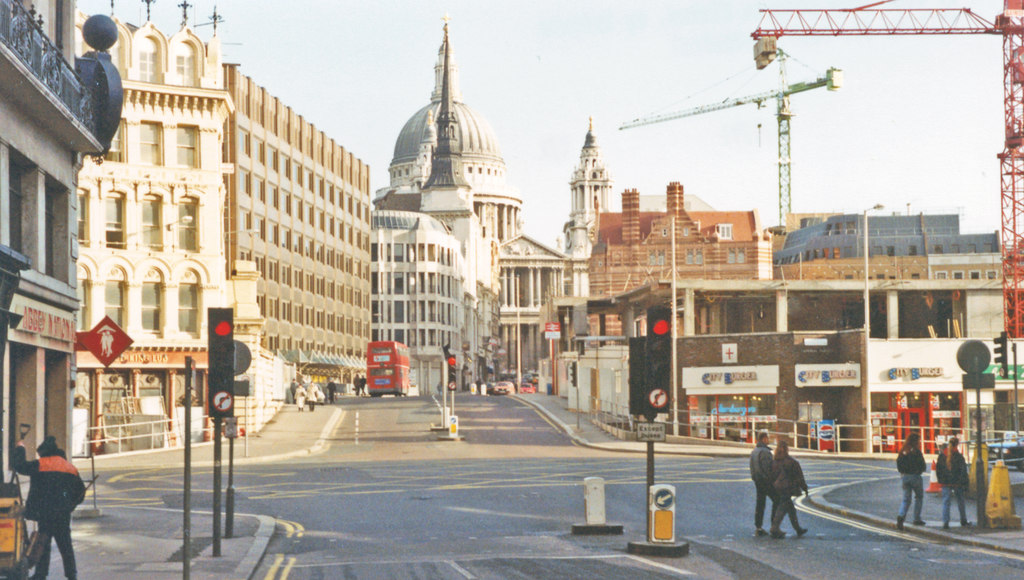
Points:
x=789, y=481
x=951, y=471
x=910, y=464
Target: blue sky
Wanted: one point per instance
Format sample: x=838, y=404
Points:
x=918, y=122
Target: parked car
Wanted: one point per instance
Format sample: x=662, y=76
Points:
x=503, y=388
x=527, y=387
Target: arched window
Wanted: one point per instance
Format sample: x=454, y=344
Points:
x=186, y=65
x=152, y=222
x=188, y=304
x=188, y=223
x=114, y=299
x=85, y=310
x=114, y=226
x=147, y=60
x=152, y=302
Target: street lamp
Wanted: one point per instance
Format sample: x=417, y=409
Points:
x=867, y=333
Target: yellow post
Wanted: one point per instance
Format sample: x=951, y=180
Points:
x=999, y=504
x=973, y=471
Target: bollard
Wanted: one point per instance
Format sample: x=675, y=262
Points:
x=593, y=506
x=661, y=501
x=999, y=503
x=593, y=500
x=972, y=489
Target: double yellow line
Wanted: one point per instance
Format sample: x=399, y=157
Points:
x=292, y=529
x=278, y=560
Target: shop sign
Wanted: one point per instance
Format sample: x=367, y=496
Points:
x=885, y=415
x=945, y=414
x=144, y=358
x=761, y=379
x=701, y=418
x=724, y=409
x=46, y=321
x=914, y=373
x=843, y=375
x=728, y=378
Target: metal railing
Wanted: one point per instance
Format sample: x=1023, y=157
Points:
x=24, y=36
x=119, y=436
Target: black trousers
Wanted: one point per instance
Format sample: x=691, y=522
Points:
x=60, y=531
x=764, y=493
x=785, y=507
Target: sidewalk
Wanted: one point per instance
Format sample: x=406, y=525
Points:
x=872, y=501
x=122, y=543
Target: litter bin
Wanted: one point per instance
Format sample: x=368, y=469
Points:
x=549, y=388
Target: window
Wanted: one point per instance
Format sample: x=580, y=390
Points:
x=114, y=294
x=151, y=306
x=188, y=308
x=147, y=60
x=990, y=274
x=188, y=144
x=958, y=275
x=83, y=218
x=84, y=313
x=732, y=256
x=115, y=222
x=724, y=231
x=975, y=275
x=116, y=151
x=151, y=223
x=188, y=222
x=149, y=143
x=741, y=255
x=186, y=66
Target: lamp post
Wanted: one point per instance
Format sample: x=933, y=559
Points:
x=867, y=334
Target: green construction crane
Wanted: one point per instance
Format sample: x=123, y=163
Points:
x=832, y=80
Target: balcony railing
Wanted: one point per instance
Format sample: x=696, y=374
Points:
x=20, y=33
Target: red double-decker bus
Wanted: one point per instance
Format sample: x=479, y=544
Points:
x=387, y=369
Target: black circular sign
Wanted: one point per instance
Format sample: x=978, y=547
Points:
x=973, y=356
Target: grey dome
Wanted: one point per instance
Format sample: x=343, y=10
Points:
x=477, y=137
x=389, y=219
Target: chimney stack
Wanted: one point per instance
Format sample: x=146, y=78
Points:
x=674, y=201
x=631, y=217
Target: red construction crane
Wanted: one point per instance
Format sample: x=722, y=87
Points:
x=870, y=21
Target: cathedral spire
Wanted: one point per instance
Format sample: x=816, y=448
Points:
x=446, y=169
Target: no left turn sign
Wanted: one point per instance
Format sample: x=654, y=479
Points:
x=658, y=398
x=222, y=401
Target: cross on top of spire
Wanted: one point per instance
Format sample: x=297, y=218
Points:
x=148, y=3
x=215, y=18
x=184, y=12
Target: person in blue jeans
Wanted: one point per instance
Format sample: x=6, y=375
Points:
x=910, y=463
x=951, y=471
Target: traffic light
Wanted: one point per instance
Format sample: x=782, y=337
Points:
x=658, y=358
x=450, y=359
x=221, y=351
x=1000, y=350
x=573, y=379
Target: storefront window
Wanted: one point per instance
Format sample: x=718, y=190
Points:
x=151, y=385
x=731, y=417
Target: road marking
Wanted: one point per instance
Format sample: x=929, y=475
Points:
x=357, y=428
x=800, y=504
x=292, y=528
x=287, y=568
x=465, y=573
x=660, y=566
x=278, y=558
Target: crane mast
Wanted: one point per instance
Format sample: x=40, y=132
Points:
x=833, y=80
x=1009, y=24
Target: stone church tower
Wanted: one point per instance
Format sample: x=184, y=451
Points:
x=590, y=189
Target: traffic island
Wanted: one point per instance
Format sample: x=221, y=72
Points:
x=597, y=529
x=667, y=550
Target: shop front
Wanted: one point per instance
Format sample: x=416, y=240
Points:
x=917, y=388
x=138, y=402
x=731, y=403
x=827, y=395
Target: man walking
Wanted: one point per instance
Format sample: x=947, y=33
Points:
x=761, y=474
x=56, y=489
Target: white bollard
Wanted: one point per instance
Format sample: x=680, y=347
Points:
x=593, y=500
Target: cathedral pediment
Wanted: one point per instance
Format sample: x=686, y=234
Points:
x=527, y=247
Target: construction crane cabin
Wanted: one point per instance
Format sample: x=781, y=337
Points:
x=871, y=21
x=832, y=80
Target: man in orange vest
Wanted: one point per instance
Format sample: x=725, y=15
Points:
x=56, y=489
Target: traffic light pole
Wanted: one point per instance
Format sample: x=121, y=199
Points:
x=186, y=509
x=1016, y=408
x=217, y=423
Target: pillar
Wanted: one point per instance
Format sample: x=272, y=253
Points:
x=892, y=313
x=781, y=311
x=689, y=315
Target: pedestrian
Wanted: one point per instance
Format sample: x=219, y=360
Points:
x=787, y=481
x=951, y=471
x=331, y=390
x=910, y=463
x=361, y=386
x=290, y=393
x=314, y=395
x=300, y=397
x=55, y=490
x=761, y=473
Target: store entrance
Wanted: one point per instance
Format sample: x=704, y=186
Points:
x=911, y=421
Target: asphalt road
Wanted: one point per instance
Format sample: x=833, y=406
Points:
x=389, y=500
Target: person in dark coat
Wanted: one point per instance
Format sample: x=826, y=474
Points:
x=951, y=471
x=910, y=463
x=332, y=389
x=788, y=481
x=761, y=473
x=55, y=490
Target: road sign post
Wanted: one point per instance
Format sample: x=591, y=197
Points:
x=973, y=357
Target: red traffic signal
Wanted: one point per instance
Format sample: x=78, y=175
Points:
x=661, y=327
x=223, y=328
x=451, y=361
